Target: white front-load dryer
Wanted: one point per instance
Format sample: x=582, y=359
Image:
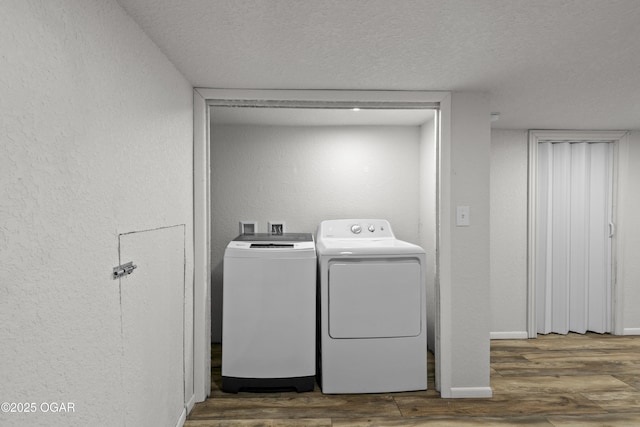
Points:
x=372, y=293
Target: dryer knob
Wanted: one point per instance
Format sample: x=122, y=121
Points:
x=356, y=228
x=371, y=228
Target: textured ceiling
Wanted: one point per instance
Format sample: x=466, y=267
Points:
x=562, y=64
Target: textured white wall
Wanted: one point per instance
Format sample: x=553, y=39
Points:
x=629, y=232
x=509, y=233
x=303, y=175
x=96, y=139
x=469, y=246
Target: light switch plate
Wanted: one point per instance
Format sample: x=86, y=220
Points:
x=463, y=216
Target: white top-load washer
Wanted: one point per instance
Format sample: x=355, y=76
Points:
x=372, y=292
x=269, y=313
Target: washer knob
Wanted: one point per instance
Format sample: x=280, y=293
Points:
x=356, y=228
x=371, y=228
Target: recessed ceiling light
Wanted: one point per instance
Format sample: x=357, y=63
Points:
x=355, y=109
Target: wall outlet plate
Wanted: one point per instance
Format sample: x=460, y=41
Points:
x=276, y=227
x=248, y=227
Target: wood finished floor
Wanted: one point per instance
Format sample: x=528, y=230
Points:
x=565, y=381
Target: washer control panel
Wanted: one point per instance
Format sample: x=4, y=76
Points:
x=356, y=228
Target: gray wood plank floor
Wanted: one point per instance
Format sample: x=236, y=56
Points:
x=555, y=380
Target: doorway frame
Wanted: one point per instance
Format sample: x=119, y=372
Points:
x=620, y=154
x=203, y=98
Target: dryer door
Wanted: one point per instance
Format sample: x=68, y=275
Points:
x=375, y=298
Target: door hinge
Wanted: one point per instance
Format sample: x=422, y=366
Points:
x=123, y=270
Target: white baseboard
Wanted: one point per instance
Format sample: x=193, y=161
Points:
x=509, y=335
x=471, y=392
x=183, y=418
x=191, y=403
x=631, y=331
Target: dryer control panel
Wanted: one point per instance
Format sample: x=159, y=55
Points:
x=356, y=228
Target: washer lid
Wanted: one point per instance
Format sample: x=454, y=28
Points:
x=275, y=238
x=265, y=244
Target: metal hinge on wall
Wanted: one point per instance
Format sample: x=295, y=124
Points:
x=123, y=270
